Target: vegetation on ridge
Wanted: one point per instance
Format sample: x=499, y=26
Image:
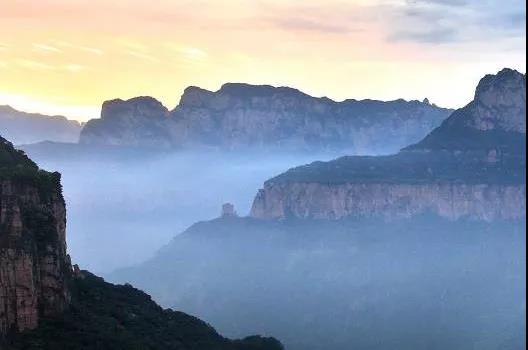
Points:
x=103, y=316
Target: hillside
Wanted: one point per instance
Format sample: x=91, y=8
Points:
x=120, y=317
x=420, y=283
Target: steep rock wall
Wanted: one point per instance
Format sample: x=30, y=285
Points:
x=34, y=266
x=451, y=200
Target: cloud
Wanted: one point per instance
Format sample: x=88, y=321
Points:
x=142, y=56
x=435, y=36
x=74, y=68
x=454, y=21
x=330, y=17
x=82, y=48
x=309, y=24
x=45, y=48
x=34, y=65
x=441, y=2
x=187, y=52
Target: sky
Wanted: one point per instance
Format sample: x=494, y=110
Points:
x=68, y=56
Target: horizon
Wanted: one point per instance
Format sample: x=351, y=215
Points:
x=90, y=52
x=36, y=111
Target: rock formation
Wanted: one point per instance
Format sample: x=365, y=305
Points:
x=47, y=304
x=241, y=116
x=34, y=266
x=472, y=166
x=24, y=128
x=228, y=210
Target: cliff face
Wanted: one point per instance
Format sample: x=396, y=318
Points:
x=241, y=116
x=34, y=266
x=472, y=166
x=25, y=128
x=390, y=201
x=44, y=304
x=141, y=121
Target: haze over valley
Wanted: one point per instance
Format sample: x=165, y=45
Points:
x=263, y=175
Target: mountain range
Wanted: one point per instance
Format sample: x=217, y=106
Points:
x=25, y=128
x=472, y=165
x=239, y=117
x=421, y=249
x=246, y=117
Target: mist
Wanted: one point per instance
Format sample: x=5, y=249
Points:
x=151, y=218
x=124, y=204
x=421, y=283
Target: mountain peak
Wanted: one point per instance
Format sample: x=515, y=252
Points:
x=495, y=119
x=500, y=102
x=144, y=106
x=244, y=90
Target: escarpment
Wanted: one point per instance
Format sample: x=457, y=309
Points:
x=249, y=117
x=34, y=266
x=472, y=166
x=390, y=201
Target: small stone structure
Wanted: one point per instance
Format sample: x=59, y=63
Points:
x=228, y=210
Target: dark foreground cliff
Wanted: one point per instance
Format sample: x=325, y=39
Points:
x=47, y=305
x=34, y=266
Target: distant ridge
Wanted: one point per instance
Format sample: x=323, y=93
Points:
x=262, y=117
x=24, y=128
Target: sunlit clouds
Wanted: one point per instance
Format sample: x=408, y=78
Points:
x=72, y=55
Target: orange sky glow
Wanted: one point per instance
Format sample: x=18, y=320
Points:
x=68, y=56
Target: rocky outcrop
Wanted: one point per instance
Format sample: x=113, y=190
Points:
x=472, y=166
x=500, y=103
x=390, y=201
x=140, y=121
x=47, y=304
x=25, y=128
x=494, y=120
x=242, y=116
x=34, y=265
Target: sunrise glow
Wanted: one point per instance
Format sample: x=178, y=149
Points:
x=67, y=57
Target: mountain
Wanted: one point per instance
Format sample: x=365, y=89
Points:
x=495, y=121
x=424, y=249
x=414, y=283
x=472, y=165
x=47, y=304
x=25, y=128
x=113, y=317
x=34, y=266
x=242, y=116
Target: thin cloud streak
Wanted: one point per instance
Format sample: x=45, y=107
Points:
x=45, y=48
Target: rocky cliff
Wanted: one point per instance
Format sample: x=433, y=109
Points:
x=242, y=116
x=34, y=266
x=24, y=128
x=472, y=166
x=47, y=305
